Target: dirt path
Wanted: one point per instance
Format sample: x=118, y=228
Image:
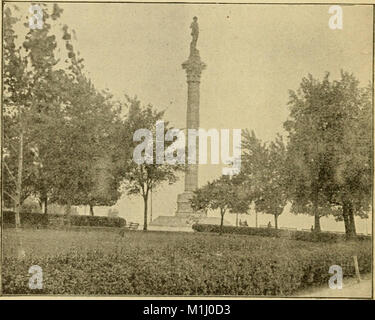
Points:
x=351, y=289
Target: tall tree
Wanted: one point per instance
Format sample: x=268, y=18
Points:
x=329, y=155
x=352, y=151
x=64, y=127
x=263, y=167
x=85, y=167
x=16, y=106
x=30, y=94
x=141, y=178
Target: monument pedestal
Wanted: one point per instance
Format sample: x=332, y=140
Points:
x=184, y=217
x=184, y=208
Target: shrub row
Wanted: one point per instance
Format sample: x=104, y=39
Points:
x=97, y=221
x=323, y=236
x=265, y=232
x=40, y=220
x=278, y=233
x=199, y=265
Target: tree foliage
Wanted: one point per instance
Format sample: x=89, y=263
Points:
x=263, y=169
x=329, y=150
x=69, y=127
x=225, y=194
x=140, y=179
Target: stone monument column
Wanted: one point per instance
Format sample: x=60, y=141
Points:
x=193, y=67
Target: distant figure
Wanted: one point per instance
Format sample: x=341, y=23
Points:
x=312, y=228
x=269, y=225
x=243, y=223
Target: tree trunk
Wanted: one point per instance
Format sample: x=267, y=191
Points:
x=19, y=181
x=317, y=222
x=348, y=215
x=91, y=210
x=20, y=250
x=45, y=201
x=145, y=198
x=151, y=205
x=316, y=217
x=222, y=212
x=345, y=215
x=276, y=216
x=352, y=222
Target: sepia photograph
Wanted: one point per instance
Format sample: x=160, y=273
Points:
x=179, y=150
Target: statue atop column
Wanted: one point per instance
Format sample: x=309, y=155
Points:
x=194, y=65
x=194, y=33
x=185, y=215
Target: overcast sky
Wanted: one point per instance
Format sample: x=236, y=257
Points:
x=254, y=55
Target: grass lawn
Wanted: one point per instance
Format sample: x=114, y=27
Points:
x=165, y=263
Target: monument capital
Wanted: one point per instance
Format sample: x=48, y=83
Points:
x=193, y=67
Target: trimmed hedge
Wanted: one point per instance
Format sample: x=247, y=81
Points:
x=264, y=232
x=27, y=219
x=278, y=233
x=97, y=221
x=40, y=220
x=176, y=264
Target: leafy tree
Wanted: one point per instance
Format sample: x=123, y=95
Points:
x=225, y=194
x=16, y=106
x=86, y=173
x=31, y=92
x=16, y=93
x=329, y=157
x=139, y=179
x=309, y=163
x=263, y=167
x=94, y=157
x=63, y=125
x=244, y=196
x=352, y=152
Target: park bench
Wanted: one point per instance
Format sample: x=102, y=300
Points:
x=130, y=226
